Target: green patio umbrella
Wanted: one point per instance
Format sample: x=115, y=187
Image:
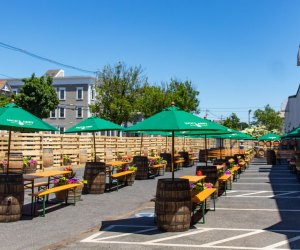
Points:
x=14, y=118
x=269, y=137
x=94, y=124
x=173, y=119
x=295, y=133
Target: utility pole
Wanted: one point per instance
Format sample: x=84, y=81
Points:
x=249, y=111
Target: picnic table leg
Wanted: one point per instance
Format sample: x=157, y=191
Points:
x=44, y=205
x=214, y=201
x=48, y=186
x=32, y=201
x=203, y=212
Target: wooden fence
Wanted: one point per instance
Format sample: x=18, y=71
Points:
x=49, y=149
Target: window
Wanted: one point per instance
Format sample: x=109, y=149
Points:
x=62, y=113
x=53, y=113
x=15, y=91
x=79, y=93
x=62, y=93
x=79, y=112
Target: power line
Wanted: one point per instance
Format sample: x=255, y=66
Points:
x=6, y=76
x=10, y=47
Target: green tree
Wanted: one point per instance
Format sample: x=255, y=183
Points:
x=243, y=125
x=38, y=96
x=183, y=94
x=152, y=99
x=118, y=88
x=4, y=100
x=232, y=122
x=269, y=118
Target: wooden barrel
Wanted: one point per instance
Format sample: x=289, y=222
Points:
x=15, y=162
x=202, y=155
x=11, y=197
x=48, y=157
x=276, y=143
x=268, y=143
x=82, y=156
x=292, y=143
x=142, y=165
x=95, y=175
x=61, y=196
x=261, y=152
x=173, y=205
x=284, y=142
x=261, y=143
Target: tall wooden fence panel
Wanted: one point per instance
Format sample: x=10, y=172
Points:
x=80, y=148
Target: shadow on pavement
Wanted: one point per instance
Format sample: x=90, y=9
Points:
x=287, y=199
x=140, y=225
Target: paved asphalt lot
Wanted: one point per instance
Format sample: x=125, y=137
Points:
x=262, y=211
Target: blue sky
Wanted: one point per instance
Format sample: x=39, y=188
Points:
x=239, y=54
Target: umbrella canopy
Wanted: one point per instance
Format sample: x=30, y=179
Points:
x=269, y=137
x=14, y=118
x=173, y=119
x=94, y=124
x=295, y=133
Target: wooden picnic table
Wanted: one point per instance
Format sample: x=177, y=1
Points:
x=115, y=163
x=153, y=157
x=220, y=167
x=29, y=181
x=194, y=178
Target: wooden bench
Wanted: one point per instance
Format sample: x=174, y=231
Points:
x=224, y=179
x=236, y=172
x=200, y=199
x=39, y=185
x=122, y=174
x=44, y=193
x=179, y=164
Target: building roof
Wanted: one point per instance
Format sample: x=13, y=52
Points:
x=4, y=86
x=55, y=73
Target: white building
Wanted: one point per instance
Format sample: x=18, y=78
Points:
x=292, y=110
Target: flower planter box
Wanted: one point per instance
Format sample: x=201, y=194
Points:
x=29, y=169
x=61, y=196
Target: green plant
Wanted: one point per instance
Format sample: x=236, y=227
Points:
x=66, y=158
x=27, y=161
x=68, y=179
x=132, y=168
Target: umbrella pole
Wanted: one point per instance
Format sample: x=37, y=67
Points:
x=173, y=155
x=166, y=144
x=220, y=148
x=206, y=153
x=142, y=136
x=94, y=138
x=230, y=148
x=8, y=156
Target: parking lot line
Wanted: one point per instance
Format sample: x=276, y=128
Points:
x=179, y=236
x=259, y=209
x=278, y=244
x=213, y=243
